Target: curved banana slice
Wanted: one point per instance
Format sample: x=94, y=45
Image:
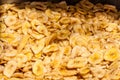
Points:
x=10, y=20
x=84, y=70
x=77, y=62
x=39, y=27
x=111, y=54
x=67, y=50
x=65, y=72
x=29, y=55
x=98, y=71
x=63, y=34
x=22, y=57
x=23, y=43
x=39, y=45
x=7, y=37
x=25, y=27
x=2, y=27
x=38, y=68
x=77, y=39
x=49, y=48
x=95, y=58
x=76, y=51
x=35, y=34
x=10, y=68
x=1, y=47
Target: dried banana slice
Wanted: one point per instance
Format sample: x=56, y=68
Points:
x=38, y=68
x=2, y=27
x=67, y=50
x=71, y=78
x=111, y=54
x=77, y=39
x=98, y=71
x=10, y=68
x=38, y=46
x=7, y=37
x=29, y=55
x=22, y=57
x=84, y=70
x=76, y=51
x=95, y=58
x=65, y=20
x=23, y=43
x=10, y=20
x=35, y=34
x=65, y=72
x=77, y=62
x=50, y=48
x=63, y=34
x=25, y=27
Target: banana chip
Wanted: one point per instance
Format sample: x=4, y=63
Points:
x=10, y=68
x=7, y=37
x=50, y=48
x=10, y=20
x=77, y=39
x=36, y=48
x=23, y=43
x=78, y=62
x=38, y=68
x=67, y=72
x=111, y=55
x=95, y=58
x=2, y=27
x=84, y=70
x=25, y=27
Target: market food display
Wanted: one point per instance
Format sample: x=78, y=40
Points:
x=56, y=41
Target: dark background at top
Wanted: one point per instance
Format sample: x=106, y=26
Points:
x=113, y=2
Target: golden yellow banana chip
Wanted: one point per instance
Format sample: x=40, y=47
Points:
x=25, y=27
x=7, y=37
x=84, y=70
x=65, y=72
x=38, y=68
x=95, y=58
x=23, y=43
x=50, y=48
x=2, y=27
x=112, y=54
x=29, y=55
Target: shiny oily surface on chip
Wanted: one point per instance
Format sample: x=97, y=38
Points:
x=56, y=41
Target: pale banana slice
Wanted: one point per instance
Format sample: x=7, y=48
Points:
x=10, y=68
x=77, y=62
x=23, y=43
x=98, y=71
x=38, y=68
x=77, y=39
x=25, y=27
x=36, y=48
x=76, y=51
